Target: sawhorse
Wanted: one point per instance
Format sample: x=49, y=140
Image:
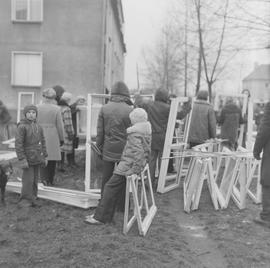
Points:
x=139, y=188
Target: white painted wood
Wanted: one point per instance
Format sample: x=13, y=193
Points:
x=140, y=202
x=61, y=195
x=21, y=105
x=169, y=145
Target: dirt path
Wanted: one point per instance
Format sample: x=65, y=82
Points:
x=200, y=244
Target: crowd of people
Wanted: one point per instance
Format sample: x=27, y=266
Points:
x=44, y=137
x=129, y=135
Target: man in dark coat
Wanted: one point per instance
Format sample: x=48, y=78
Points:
x=262, y=144
x=230, y=119
x=113, y=120
x=158, y=114
x=203, y=120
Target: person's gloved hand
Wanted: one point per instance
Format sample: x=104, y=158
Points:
x=44, y=163
x=257, y=155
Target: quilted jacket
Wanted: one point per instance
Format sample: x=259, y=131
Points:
x=113, y=120
x=30, y=142
x=137, y=150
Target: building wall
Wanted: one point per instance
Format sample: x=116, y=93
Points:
x=71, y=38
x=258, y=88
x=113, y=60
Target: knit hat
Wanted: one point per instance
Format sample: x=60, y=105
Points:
x=59, y=90
x=66, y=97
x=138, y=115
x=162, y=95
x=202, y=95
x=29, y=107
x=49, y=93
x=120, y=88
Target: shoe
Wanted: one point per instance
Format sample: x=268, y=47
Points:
x=91, y=220
x=262, y=222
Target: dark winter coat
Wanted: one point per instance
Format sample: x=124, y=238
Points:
x=137, y=150
x=230, y=119
x=158, y=114
x=5, y=117
x=203, y=122
x=113, y=120
x=30, y=142
x=262, y=144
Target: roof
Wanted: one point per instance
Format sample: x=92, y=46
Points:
x=260, y=72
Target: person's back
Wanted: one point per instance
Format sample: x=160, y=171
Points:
x=113, y=121
x=230, y=119
x=158, y=114
x=203, y=120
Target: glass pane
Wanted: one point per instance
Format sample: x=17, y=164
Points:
x=20, y=69
x=34, y=70
x=21, y=9
x=35, y=10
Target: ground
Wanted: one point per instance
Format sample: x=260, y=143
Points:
x=55, y=235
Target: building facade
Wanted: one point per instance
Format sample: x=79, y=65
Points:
x=78, y=44
x=258, y=82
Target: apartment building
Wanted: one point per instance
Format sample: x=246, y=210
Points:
x=78, y=44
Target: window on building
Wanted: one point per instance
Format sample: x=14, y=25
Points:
x=27, y=10
x=26, y=69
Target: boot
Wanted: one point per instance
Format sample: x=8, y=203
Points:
x=61, y=163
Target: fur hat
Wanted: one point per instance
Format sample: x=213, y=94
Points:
x=120, y=88
x=202, y=95
x=29, y=107
x=49, y=93
x=138, y=115
x=66, y=97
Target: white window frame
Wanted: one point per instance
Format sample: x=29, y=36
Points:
x=14, y=53
x=20, y=108
x=27, y=20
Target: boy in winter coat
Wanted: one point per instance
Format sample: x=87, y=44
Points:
x=31, y=153
x=134, y=158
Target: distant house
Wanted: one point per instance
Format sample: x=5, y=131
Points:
x=258, y=82
x=78, y=44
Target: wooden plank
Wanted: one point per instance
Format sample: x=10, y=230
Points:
x=64, y=196
x=163, y=186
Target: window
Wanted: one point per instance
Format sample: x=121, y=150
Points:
x=27, y=10
x=26, y=69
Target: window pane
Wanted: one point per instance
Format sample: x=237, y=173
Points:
x=21, y=9
x=20, y=69
x=35, y=10
x=34, y=70
x=27, y=69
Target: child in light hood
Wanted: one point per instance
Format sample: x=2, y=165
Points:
x=134, y=158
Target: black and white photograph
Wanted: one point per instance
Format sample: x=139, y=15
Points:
x=135, y=133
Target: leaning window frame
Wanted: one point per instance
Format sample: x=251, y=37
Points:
x=13, y=53
x=28, y=20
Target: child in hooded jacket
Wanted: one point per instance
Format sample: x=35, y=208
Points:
x=31, y=152
x=134, y=158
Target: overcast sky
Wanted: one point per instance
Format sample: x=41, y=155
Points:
x=143, y=19
x=142, y=22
